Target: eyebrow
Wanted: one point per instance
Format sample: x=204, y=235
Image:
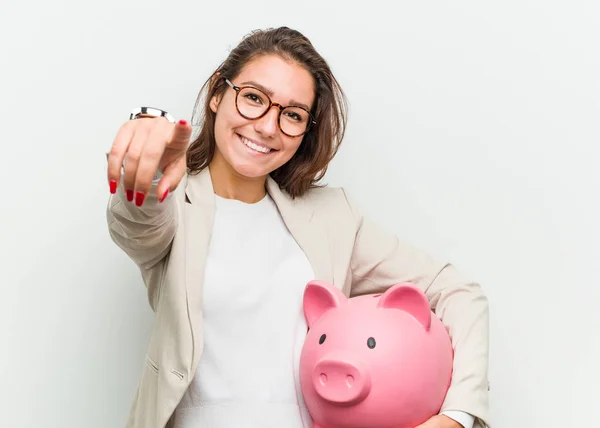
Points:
x=293, y=103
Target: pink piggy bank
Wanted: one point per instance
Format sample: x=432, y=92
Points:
x=377, y=361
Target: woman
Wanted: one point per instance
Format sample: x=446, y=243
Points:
x=228, y=230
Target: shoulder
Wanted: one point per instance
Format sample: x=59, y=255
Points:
x=331, y=201
x=324, y=196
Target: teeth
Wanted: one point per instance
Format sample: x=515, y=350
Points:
x=255, y=146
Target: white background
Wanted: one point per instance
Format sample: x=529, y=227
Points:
x=474, y=133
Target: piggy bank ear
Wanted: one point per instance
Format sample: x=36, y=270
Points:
x=319, y=297
x=410, y=299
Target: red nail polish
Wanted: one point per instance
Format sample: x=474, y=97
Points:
x=113, y=186
x=183, y=122
x=139, y=198
x=129, y=195
x=164, y=196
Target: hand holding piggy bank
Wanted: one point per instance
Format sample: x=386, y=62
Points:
x=377, y=361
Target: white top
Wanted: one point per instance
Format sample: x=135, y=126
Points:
x=254, y=327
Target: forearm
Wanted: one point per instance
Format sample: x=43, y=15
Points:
x=144, y=233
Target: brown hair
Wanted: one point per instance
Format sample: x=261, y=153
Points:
x=319, y=145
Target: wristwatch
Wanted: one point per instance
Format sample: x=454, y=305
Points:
x=138, y=112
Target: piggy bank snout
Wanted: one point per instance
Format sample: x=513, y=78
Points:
x=341, y=381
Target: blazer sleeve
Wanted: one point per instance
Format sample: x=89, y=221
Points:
x=380, y=260
x=144, y=233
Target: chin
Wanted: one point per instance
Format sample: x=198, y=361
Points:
x=250, y=171
x=248, y=167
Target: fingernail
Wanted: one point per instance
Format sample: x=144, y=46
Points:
x=139, y=198
x=183, y=122
x=129, y=195
x=164, y=196
x=113, y=186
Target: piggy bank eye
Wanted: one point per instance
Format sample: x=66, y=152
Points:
x=322, y=339
x=371, y=342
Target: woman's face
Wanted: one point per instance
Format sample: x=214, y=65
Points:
x=255, y=148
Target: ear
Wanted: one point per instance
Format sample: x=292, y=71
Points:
x=410, y=299
x=319, y=297
x=214, y=101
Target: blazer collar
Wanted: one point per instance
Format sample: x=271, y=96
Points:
x=287, y=206
x=298, y=216
x=199, y=189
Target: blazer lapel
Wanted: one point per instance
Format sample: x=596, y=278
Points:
x=306, y=229
x=199, y=210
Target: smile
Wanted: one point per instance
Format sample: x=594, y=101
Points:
x=254, y=146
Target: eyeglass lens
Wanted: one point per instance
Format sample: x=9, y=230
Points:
x=252, y=103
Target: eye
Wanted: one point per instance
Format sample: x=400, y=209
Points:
x=322, y=339
x=253, y=97
x=294, y=116
x=371, y=342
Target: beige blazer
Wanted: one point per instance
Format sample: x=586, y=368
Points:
x=169, y=242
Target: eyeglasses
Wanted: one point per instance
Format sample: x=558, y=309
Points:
x=252, y=103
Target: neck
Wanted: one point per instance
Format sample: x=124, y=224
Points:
x=229, y=184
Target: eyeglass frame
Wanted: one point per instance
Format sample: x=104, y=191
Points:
x=238, y=89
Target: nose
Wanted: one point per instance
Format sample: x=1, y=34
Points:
x=267, y=125
x=340, y=381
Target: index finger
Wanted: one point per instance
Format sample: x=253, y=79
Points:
x=180, y=137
